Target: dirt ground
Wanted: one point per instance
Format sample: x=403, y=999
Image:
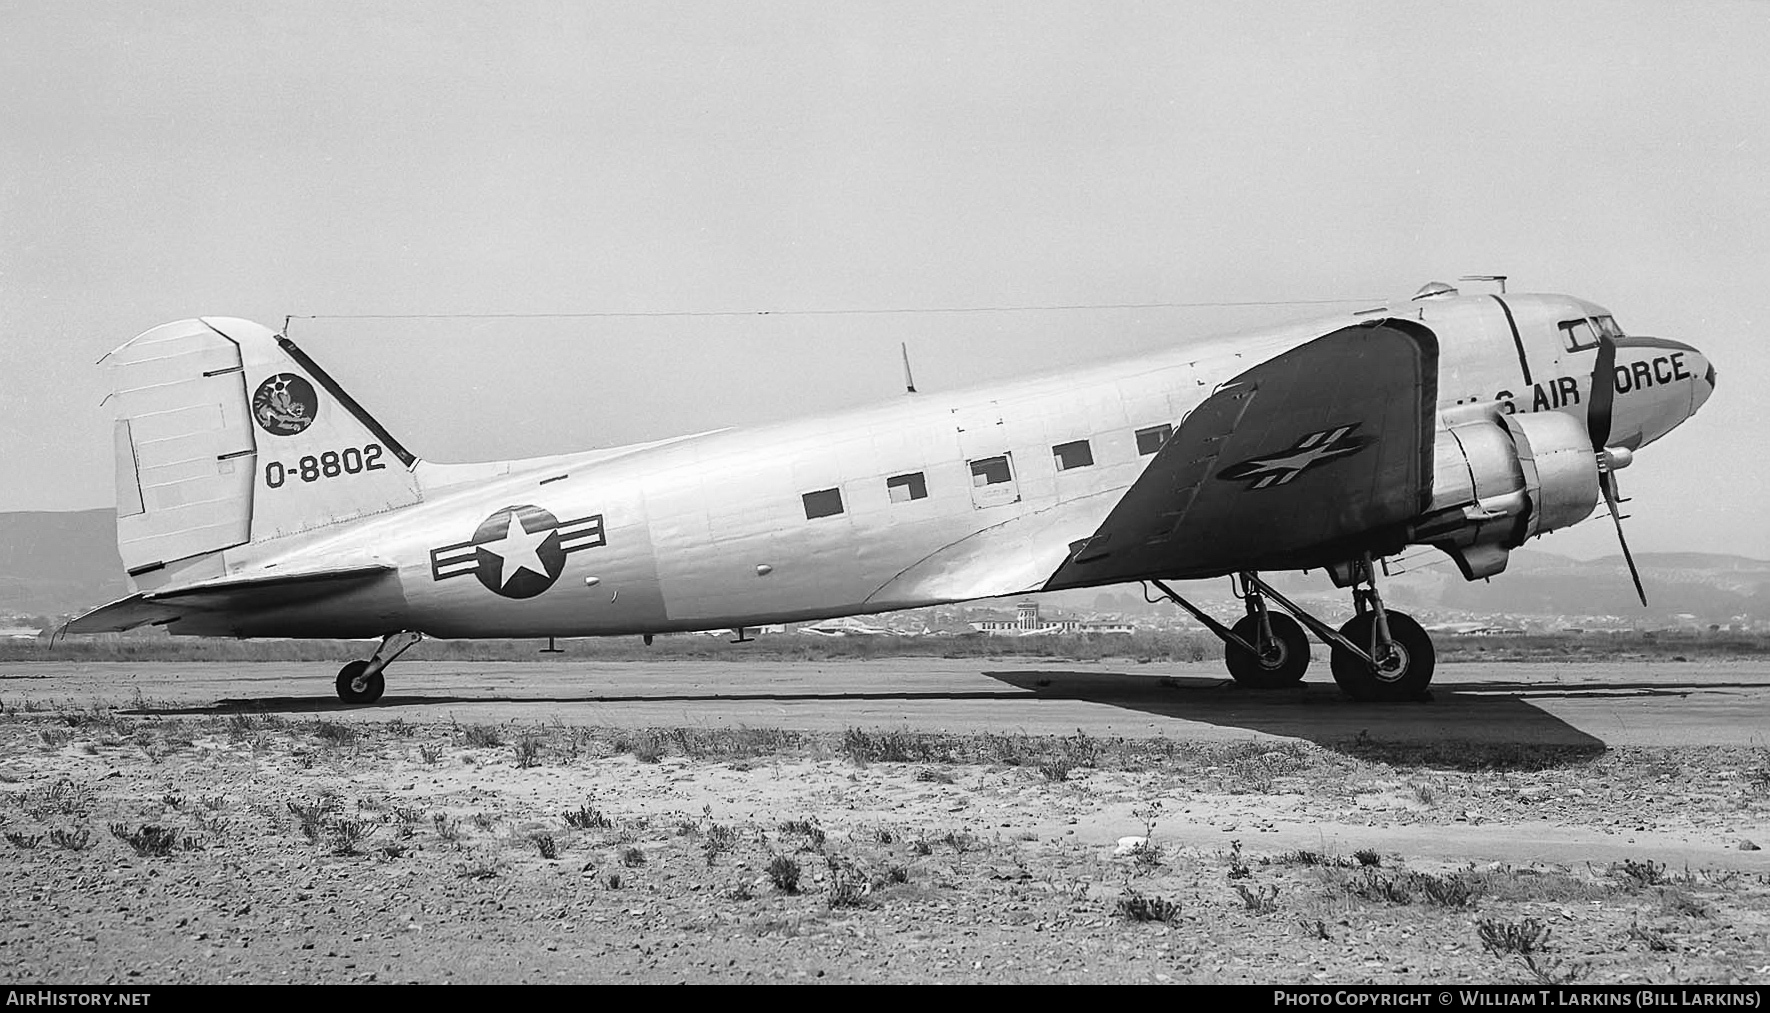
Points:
x=153, y=847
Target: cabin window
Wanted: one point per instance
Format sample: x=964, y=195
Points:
x=1075, y=454
x=903, y=488
x=1607, y=327
x=992, y=482
x=1578, y=335
x=990, y=471
x=1150, y=440
x=823, y=503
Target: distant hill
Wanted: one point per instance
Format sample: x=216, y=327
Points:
x=58, y=561
x=1542, y=586
x=1712, y=587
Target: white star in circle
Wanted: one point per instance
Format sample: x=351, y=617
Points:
x=518, y=549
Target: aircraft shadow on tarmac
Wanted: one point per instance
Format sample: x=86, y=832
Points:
x=1450, y=718
x=1464, y=692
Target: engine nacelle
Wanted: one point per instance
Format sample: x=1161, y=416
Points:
x=1500, y=479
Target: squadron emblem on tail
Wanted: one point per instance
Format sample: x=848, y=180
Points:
x=285, y=404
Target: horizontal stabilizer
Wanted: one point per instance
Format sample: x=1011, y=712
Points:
x=260, y=589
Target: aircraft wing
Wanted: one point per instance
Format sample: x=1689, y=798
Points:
x=1287, y=466
x=234, y=592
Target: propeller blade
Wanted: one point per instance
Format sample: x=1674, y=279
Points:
x=1598, y=428
x=1608, y=484
x=1603, y=393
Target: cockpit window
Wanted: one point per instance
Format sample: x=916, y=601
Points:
x=1577, y=335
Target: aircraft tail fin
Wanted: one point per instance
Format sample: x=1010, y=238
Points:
x=227, y=433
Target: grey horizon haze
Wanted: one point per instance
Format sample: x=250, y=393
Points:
x=167, y=160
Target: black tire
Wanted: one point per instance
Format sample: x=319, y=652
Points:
x=1283, y=666
x=1404, y=677
x=369, y=693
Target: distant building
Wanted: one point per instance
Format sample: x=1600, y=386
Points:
x=750, y=631
x=1026, y=623
x=1475, y=629
x=846, y=626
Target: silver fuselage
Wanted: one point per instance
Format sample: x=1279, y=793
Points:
x=714, y=530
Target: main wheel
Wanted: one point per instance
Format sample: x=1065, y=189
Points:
x=1284, y=662
x=372, y=686
x=1402, y=674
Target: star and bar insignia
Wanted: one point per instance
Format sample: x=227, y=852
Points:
x=519, y=551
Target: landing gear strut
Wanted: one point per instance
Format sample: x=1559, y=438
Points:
x=360, y=681
x=1264, y=649
x=1378, y=655
x=1280, y=652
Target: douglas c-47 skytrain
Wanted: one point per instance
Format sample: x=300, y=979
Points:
x=255, y=498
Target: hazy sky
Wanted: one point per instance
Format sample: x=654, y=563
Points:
x=165, y=160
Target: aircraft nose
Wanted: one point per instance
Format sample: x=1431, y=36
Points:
x=1659, y=384
x=1691, y=366
x=1702, y=387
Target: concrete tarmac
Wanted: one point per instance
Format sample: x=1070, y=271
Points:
x=1664, y=704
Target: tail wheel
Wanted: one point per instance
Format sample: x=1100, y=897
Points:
x=347, y=684
x=1402, y=672
x=1282, y=664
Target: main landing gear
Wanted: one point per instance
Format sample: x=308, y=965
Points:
x=1377, y=655
x=1268, y=649
x=361, y=681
